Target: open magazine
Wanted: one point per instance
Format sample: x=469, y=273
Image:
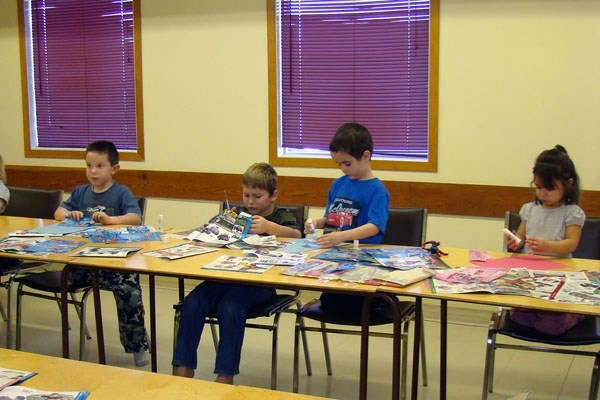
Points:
x=224, y=228
x=25, y=393
x=98, y=251
x=66, y=227
x=180, y=251
x=238, y=264
x=10, y=377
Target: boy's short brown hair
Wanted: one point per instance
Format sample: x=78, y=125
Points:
x=261, y=176
x=104, y=147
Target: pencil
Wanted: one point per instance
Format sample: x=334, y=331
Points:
x=557, y=288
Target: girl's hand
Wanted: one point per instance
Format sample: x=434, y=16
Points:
x=537, y=244
x=512, y=244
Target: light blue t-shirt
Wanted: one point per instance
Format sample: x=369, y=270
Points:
x=352, y=203
x=4, y=195
x=549, y=223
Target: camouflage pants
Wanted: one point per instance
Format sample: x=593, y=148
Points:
x=128, y=297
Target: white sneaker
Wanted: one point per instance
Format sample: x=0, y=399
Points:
x=141, y=358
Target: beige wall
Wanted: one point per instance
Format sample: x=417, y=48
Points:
x=516, y=77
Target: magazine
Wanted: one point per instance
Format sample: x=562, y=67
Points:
x=180, y=251
x=53, y=246
x=12, y=377
x=66, y=227
x=272, y=257
x=128, y=234
x=97, y=251
x=18, y=245
x=346, y=254
x=25, y=393
x=238, y=264
x=406, y=258
x=224, y=228
x=257, y=242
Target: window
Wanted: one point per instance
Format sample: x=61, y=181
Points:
x=372, y=62
x=82, y=70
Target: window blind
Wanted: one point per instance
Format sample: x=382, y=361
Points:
x=361, y=61
x=83, y=72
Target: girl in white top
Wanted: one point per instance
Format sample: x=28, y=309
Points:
x=550, y=225
x=4, y=193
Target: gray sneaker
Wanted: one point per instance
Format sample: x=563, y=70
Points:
x=141, y=358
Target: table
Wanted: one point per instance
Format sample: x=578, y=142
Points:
x=12, y=224
x=106, y=382
x=460, y=257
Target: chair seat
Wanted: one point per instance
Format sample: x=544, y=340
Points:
x=380, y=316
x=9, y=266
x=48, y=281
x=584, y=333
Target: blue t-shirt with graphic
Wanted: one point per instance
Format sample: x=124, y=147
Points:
x=116, y=201
x=352, y=203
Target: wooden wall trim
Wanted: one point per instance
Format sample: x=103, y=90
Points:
x=438, y=198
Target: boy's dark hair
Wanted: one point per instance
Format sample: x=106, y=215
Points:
x=261, y=176
x=352, y=138
x=555, y=164
x=104, y=147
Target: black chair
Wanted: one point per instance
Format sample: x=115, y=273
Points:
x=512, y=220
x=281, y=302
x=405, y=226
x=31, y=203
x=47, y=285
x=586, y=332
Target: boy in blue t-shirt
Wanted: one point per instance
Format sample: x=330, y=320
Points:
x=357, y=205
x=109, y=203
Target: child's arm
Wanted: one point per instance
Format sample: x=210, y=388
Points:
x=127, y=219
x=318, y=223
x=260, y=225
x=361, y=232
x=565, y=246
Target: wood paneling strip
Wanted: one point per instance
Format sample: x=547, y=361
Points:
x=438, y=198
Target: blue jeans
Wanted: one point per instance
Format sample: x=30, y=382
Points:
x=231, y=303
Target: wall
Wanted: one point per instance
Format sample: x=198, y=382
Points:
x=516, y=77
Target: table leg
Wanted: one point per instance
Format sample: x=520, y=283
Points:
x=153, y=353
x=64, y=310
x=98, y=314
x=416, y=348
x=443, y=347
x=364, y=347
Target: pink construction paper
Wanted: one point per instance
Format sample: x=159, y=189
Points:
x=529, y=261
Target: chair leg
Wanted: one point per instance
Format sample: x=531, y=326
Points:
x=404, y=360
x=595, y=379
x=490, y=355
x=326, y=349
x=298, y=326
x=306, y=352
x=82, y=325
x=80, y=314
x=176, y=318
x=274, y=351
x=215, y=336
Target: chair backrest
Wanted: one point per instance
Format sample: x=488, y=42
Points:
x=301, y=212
x=142, y=204
x=512, y=220
x=33, y=203
x=406, y=227
x=589, y=243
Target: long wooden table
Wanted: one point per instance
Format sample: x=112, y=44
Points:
x=110, y=383
x=460, y=258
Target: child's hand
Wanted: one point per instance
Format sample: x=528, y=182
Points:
x=103, y=218
x=537, y=245
x=512, y=244
x=259, y=225
x=309, y=227
x=74, y=215
x=330, y=239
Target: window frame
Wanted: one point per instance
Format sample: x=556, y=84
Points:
x=325, y=162
x=126, y=155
